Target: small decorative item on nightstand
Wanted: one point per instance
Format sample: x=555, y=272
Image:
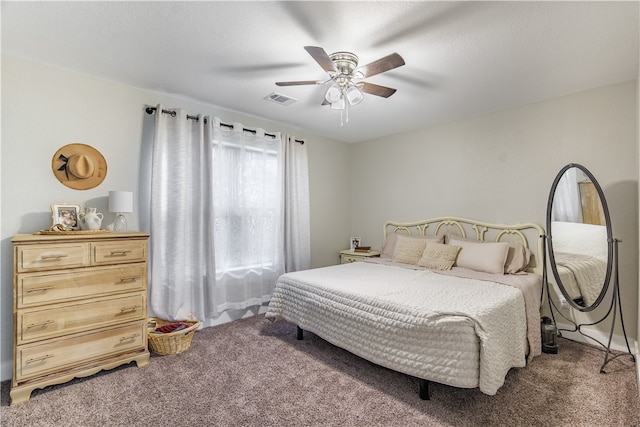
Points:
x=349, y=255
x=354, y=242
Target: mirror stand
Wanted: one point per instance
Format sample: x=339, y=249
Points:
x=615, y=306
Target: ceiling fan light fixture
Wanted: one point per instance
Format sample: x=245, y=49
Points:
x=344, y=86
x=354, y=95
x=339, y=104
x=334, y=93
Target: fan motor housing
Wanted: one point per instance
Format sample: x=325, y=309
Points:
x=345, y=62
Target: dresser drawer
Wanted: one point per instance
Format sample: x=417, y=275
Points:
x=44, y=288
x=344, y=259
x=348, y=256
x=119, y=252
x=50, y=257
x=54, y=321
x=55, y=355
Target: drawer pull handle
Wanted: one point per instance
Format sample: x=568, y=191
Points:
x=130, y=308
x=40, y=359
x=43, y=289
x=120, y=253
x=128, y=338
x=37, y=325
x=129, y=279
x=53, y=256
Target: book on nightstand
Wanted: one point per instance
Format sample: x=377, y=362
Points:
x=362, y=249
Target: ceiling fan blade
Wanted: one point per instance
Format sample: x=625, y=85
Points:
x=321, y=58
x=378, y=90
x=300, y=83
x=387, y=63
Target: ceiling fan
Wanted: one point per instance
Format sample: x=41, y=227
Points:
x=345, y=77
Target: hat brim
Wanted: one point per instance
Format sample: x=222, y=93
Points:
x=99, y=172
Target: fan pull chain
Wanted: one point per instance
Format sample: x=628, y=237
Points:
x=344, y=119
x=346, y=110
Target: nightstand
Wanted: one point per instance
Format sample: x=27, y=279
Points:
x=348, y=255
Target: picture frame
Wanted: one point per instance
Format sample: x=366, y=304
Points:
x=66, y=214
x=354, y=242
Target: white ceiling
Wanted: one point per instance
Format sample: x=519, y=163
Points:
x=462, y=58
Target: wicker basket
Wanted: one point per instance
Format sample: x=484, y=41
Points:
x=172, y=342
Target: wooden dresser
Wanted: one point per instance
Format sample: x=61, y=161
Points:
x=79, y=306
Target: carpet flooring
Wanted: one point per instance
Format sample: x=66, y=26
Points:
x=253, y=372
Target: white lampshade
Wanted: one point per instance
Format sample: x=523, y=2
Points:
x=354, y=95
x=338, y=105
x=333, y=94
x=120, y=201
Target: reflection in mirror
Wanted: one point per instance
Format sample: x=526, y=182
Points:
x=580, y=237
x=577, y=199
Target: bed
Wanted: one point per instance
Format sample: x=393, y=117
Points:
x=581, y=254
x=465, y=326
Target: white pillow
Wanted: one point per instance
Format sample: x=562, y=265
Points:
x=489, y=257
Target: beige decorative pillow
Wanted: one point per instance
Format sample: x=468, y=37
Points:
x=408, y=250
x=389, y=245
x=439, y=256
x=489, y=257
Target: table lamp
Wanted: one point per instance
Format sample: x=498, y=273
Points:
x=120, y=202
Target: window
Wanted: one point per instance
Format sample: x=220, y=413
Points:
x=247, y=190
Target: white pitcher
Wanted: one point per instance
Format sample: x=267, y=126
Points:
x=90, y=220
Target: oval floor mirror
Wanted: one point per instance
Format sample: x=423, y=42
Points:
x=583, y=255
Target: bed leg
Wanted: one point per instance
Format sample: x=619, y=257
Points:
x=425, y=389
x=299, y=333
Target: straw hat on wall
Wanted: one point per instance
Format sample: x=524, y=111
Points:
x=79, y=166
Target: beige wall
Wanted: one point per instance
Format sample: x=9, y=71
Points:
x=499, y=168
x=44, y=108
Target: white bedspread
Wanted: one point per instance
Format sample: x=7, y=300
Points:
x=589, y=273
x=418, y=322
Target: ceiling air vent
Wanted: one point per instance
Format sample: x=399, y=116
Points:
x=278, y=98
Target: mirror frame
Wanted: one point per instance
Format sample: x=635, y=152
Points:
x=607, y=218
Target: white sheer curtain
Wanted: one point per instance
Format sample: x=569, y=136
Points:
x=567, y=206
x=228, y=210
x=181, y=244
x=297, y=206
x=249, y=219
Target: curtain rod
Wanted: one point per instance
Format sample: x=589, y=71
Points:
x=151, y=110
